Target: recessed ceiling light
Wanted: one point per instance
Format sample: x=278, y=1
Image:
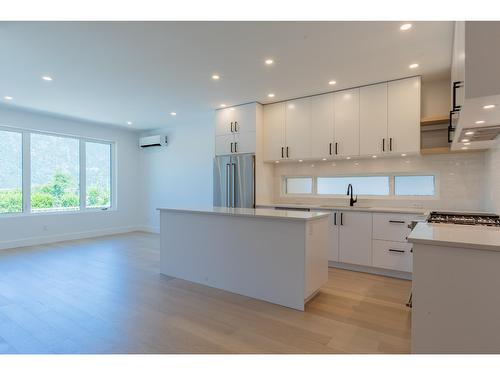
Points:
x=324, y=159
x=269, y=61
x=129, y=122
x=270, y=95
x=348, y=158
x=232, y=109
x=215, y=77
x=8, y=97
x=332, y=82
x=300, y=161
x=403, y=154
x=464, y=148
x=465, y=140
x=413, y=66
x=223, y=105
x=469, y=133
x=480, y=122
x=405, y=26
x=277, y=161
x=489, y=106
x=173, y=113
x=374, y=156
x=47, y=78
x=467, y=144
x=356, y=163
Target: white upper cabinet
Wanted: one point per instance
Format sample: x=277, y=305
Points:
x=404, y=115
x=224, y=144
x=373, y=120
x=322, y=126
x=239, y=119
x=245, y=142
x=274, y=131
x=346, y=123
x=297, y=129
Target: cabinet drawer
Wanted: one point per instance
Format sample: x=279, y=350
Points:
x=392, y=255
x=392, y=227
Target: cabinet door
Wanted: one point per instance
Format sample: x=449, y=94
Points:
x=392, y=255
x=347, y=122
x=244, y=143
x=224, y=144
x=404, y=115
x=245, y=118
x=298, y=129
x=373, y=119
x=322, y=126
x=355, y=238
x=223, y=121
x=274, y=131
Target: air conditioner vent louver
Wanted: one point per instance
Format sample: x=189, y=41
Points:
x=486, y=133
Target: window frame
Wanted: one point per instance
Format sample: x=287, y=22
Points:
x=392, y=189
x=313, y=187
x=26, y=173
x=23, y=179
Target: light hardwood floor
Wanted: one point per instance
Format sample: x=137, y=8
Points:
x=106, y=295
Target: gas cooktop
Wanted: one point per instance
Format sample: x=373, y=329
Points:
x=466, y=218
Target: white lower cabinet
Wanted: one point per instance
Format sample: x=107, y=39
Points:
x=392, y=255
x=355, y=237
x=333, y=252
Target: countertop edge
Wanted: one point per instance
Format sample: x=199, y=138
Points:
x=303, y=219
x=462, y=245
x=395, y=210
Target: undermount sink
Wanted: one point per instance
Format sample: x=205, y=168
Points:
x=341, y=207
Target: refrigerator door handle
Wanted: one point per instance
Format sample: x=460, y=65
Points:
x=227, y=185
x=233, y=195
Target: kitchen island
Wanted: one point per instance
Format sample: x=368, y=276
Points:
x=456, y=280
x=275, y=256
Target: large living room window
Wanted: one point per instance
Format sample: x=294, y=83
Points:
x=48, y=173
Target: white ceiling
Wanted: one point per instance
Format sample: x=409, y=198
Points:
x=114, y=72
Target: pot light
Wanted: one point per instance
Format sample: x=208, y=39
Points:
x=215, y=77
x=374, y=156
x=277, y=161
x=413, y=66
x=8, y=97
x=464, y=148
x=270, y=95
x=405, y=26
x=129, y=123
x=467, y=144
x=47, y=78
x=231, y=109
x=465, y=140
x=269, y=61
x=332, y=83
x=480, y=122
x=469, y=133
x=300, y=161
x=223, y=105
x=403, y=154
x=173, y=113
x=489, y=106
x=324, y=159
x=348, y=158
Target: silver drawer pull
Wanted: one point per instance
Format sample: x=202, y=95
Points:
x=396, y=221
x=396, y=251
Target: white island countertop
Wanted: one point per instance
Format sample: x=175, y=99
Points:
x=454, y=235
x=360, y=208
x=253, y=212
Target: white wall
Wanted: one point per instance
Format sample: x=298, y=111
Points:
x=181, y=173
x=459, y=177
x=492, y=180
x=42, y=228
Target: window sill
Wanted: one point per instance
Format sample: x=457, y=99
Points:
x=56, y=213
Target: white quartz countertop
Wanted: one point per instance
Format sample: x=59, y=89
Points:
x=253, y=212
x=401, y=210
x=456, y=235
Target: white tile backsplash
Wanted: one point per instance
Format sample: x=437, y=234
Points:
x=492, y=180
x=460, y=179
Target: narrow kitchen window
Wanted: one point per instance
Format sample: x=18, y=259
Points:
x=415, y=185
x=363, y=185
x=298, y=185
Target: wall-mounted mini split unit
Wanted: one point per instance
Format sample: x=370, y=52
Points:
x=153, y=141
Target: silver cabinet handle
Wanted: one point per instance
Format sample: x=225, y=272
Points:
x=234, y=185
x=227, y=185
x=235, y=144
x=236, y=128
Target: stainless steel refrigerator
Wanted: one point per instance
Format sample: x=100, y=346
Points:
x=234, y=181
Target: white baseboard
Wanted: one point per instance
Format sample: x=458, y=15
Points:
x=32, y=241
x=151, y=229
x=375, y=270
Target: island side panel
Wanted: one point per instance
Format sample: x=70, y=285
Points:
x=257, y=257
x=318, y=241
x=456, y=300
